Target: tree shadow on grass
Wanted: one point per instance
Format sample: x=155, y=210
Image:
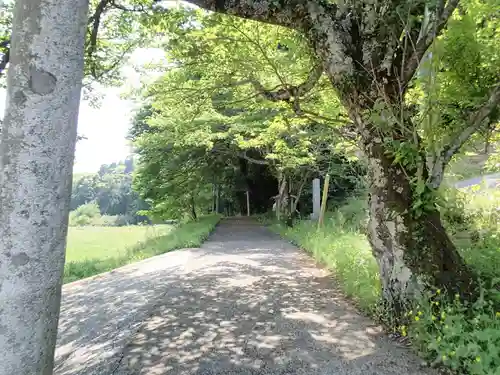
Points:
x=245, y=303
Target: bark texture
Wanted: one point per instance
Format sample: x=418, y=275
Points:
x=36, y=160
x=408, y=249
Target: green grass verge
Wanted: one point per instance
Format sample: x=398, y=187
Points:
x=93, y=250
x=461, y=337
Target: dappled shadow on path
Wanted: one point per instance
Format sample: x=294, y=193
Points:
x=249, y=303
x=99, y=314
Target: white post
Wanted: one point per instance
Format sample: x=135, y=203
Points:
x=37, y=146
x=217, y=198
x=316, y=191
x=248, y=203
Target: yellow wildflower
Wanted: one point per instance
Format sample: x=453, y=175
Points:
x=478, y=359
x=438, y=291
x=417, y=318
x=497, y=314
x=444, y=358
x=403, y=331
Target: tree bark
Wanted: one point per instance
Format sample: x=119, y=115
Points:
x=37, y=146
x=295, y=200
x=409, y=249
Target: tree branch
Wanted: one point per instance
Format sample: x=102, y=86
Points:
x=95, y=22
x=136, y=8
x=426, y=36
x=289, y=13
x=476, y=121
x=287, y=93
x=252, y=160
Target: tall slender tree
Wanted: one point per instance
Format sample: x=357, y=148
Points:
x=36, y=159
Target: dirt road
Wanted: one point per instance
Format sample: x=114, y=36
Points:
x=245, y=303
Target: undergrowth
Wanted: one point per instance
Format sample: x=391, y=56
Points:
x=185, y=235
x=464, y=338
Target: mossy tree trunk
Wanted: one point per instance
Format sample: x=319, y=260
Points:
x=410, y=244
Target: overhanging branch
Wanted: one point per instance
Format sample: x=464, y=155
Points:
x=290, y=92
x=289, y=13
x=477, y=119
x=426, y=36
x=253, y=160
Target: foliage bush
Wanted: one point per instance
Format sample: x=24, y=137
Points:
x=462, y=337
x=84, y=215
x=477, y=233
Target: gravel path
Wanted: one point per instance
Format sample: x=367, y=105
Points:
x=245, y=303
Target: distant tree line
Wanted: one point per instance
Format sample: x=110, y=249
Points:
x=110, y=193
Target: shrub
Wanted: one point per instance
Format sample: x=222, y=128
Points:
x=84, y=215
x=461, y=336
x=104, y=221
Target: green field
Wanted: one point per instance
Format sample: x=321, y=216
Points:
x=108, y=242
x=93, y=250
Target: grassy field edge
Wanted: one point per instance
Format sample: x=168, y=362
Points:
x=186, y=235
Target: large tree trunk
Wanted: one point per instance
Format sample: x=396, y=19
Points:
x=409, y=248
x=36, y=160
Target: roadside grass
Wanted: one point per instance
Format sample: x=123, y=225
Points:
x=93, y=250
x=464, y=338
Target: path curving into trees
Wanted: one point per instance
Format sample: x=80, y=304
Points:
x=247, y=302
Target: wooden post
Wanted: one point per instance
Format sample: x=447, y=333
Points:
x=323, y=201
x=248, y=203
